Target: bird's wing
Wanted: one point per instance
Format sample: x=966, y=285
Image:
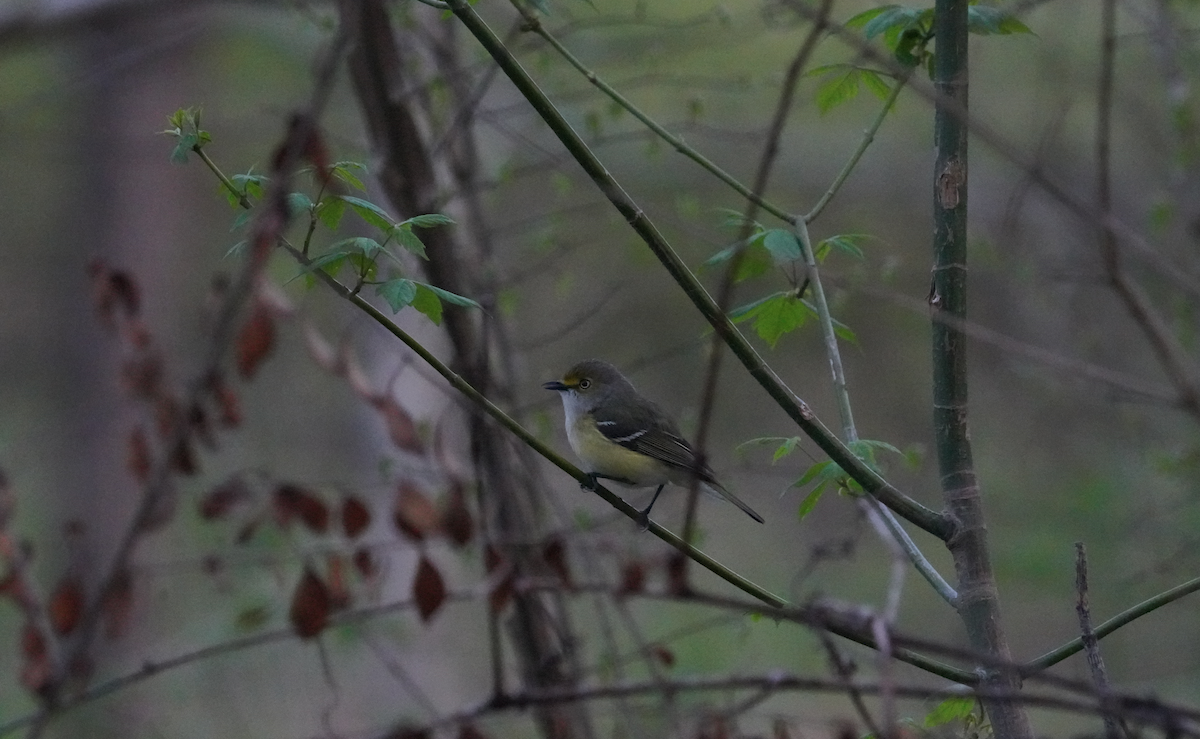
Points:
x=644, y=429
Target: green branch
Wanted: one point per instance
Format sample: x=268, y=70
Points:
x=929, y=520
x=1055, y=656
x=508, y=422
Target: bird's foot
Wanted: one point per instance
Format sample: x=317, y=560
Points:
x=591, y=483
x=643, y=520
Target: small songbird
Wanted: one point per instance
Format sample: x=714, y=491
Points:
x=621, y=436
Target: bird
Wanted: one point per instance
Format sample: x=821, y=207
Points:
x=622, y=436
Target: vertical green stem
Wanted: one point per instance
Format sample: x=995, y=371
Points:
x=978, y=601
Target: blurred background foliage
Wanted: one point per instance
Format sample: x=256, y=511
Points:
x=85, y=92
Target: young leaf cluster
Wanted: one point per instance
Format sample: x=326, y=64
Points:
x=907, y=33
x=781, y=312
x=361, y=254
x=821, y=474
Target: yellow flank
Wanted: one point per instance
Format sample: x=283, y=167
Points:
x=610, y=459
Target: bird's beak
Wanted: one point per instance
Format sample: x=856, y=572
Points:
x=555, y=385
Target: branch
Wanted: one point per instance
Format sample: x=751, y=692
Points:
x=1058, y=654
x=533, y=442
x=927, y=519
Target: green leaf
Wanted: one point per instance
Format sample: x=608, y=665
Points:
x=330, y=211
x=865, y=17
x=847, y=243
x=787, y=447
x=986, y=20
x=452, y=298
x=361, y=244
x=810, y=501
x=369, y=212
x=341, y=170
x=429, y=220
x=398, y=293
x=426, y=301
x=330, y=263
x=774, y=315
x=298, y=202
x=820, y=470
x=782, y=245
x=403, y=234
x=179, y=155
x=951, y=709
x=837, y=90
x=755, y=261
x=875, y=82
x=241, y=219
x=892, y=17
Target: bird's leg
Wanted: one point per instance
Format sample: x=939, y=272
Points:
x=644, y=517
x=591, y=482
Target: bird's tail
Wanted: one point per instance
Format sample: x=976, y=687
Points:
x=713, y=488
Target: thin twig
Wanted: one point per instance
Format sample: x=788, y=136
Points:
x=1091, y=645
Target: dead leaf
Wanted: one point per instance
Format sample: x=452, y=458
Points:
x=339, y=589
x=309, y=613
x=555, y=554
x=65, y=607
x=456, y=517
x=633, y=577
x=222, y=499
x=400, y=426
x=118, y=605
x=292, y=500
x=228, y=406
x=355, y=517
x=255, y=340
x=138, y=459
x=365, y=563
x=415, y=515
x=429, y=590
x=665, y=656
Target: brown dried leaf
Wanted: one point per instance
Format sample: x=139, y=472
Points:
x=142, y=374
x=555, y=554
x=456, y=517
x=255, y=340
x=355, y=517
x=309, y=613
x=677, y=582
x=664, y=656
x=415, y=515
x=365, y=563
x=292, y=501
x=183, y=458
x=501, y=594
x=118, y=605
x=339, y=588
x=491, y=558
x=200, y=426
x=138, y=459
x=400, y=425
x=65, y=607
x=429, y=590
x=222, y=499
x=37, y=671
x=468, y=731
x=633, y=577
x=227, y=402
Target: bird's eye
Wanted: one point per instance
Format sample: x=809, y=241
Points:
x=584, y=384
